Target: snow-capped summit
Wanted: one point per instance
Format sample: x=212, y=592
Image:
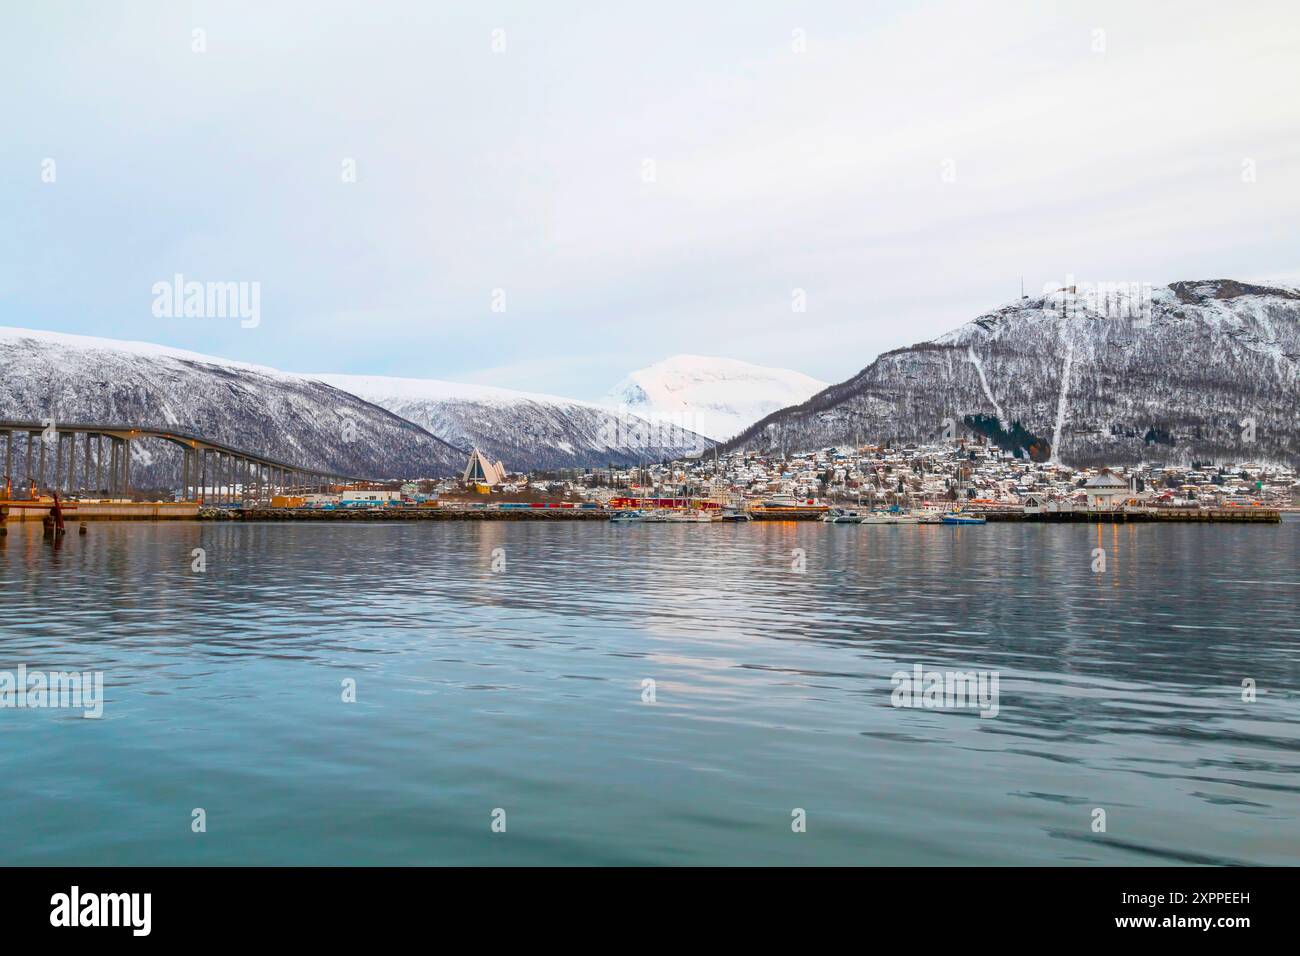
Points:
x=526, y=430
x=85, y=379
x=717, y=397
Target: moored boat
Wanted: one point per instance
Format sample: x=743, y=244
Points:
x=890, y=517
x=963, y=519
x=694, y=515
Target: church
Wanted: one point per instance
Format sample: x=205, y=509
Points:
x=480, y=471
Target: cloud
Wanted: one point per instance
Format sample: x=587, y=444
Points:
x=904, y=171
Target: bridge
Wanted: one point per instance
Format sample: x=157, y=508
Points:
x=211, y=472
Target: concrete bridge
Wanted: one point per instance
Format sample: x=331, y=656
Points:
x=95, y=459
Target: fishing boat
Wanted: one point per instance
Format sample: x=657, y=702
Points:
x=735, y=514
x=623, y=517
x=842, y=516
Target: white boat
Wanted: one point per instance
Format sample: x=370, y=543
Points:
x=842, y=516
x=627, y=516
x=890, y=517
x=783, y=499
x=694, y=515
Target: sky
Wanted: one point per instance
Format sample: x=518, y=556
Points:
x=546, y=196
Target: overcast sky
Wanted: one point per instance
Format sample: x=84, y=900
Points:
x=903, y=164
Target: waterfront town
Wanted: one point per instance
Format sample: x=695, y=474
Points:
x=967, y=478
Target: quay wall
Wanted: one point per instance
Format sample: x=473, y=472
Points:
x=105, y=511
x=400, y=514
x=1195, y=516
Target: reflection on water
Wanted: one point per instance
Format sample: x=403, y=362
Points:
x=522, y=689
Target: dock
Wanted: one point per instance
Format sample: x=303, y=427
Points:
x=1139, y=516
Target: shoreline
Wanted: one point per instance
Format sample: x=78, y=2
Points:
x=181, y=511
x=1217, y=516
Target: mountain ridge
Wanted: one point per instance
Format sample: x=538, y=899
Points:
x=524, y=430
x=1204, y=368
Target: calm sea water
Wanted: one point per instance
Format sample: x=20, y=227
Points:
x=522, y=689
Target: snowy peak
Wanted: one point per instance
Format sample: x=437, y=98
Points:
x=80, y=379
x=525, y=430
x=717, y=397
x=356, y=424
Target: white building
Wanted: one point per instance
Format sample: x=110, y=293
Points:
x=1106, y=491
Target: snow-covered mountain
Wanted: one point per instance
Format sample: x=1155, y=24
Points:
x=524, y=430
x=1196, y=370
x=716, y=397
x=85, y=380
x=393, y=428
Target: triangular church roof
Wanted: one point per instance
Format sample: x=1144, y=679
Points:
x=481, y=471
